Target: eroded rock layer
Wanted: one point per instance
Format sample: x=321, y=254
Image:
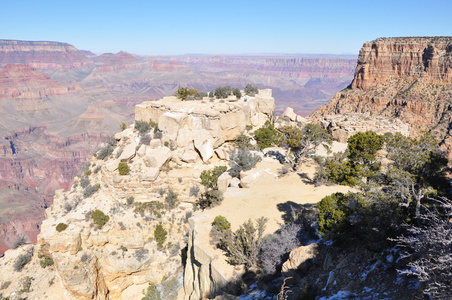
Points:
x=405, y=78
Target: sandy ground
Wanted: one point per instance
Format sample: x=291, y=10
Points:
x=271, y=196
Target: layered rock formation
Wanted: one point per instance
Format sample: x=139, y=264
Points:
x=404, y=78
x=205, y=125
x=42, y=54
x=24, y=82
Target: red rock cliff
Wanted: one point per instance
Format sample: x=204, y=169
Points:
x=428, y=59
x=406, y=78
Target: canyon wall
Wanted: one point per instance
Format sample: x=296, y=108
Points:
x=406, y=78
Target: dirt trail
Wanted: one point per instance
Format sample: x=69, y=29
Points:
x=271, y=196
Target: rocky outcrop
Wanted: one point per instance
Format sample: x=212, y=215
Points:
x=341, y=127
x=405, y=78
x=206, y=274
x=412, y=58
x=205, y=125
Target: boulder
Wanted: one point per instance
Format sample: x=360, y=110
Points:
x=129, y=151
x=302, y=120
x=203, y=143
x=289, y=113
x=151, y=174
x=265, y=101
x=171, y=122
x=112, y=165
x=235, y=182
x=300, y=259
x=223, y=181
x=142, y=150
x=184, y=137
x=258, y=119
x=155, y=143
x=189, y=156
x=158, y=157
x=224, y=151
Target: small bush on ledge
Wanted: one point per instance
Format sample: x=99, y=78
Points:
x=123, y=168
x=61, y=226
x=91, y=189
x=22, y=260
x=99, y=218
x=46, y=262
x=160, y=234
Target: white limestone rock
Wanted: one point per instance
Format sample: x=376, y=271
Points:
x=223, y=181
x=158, y=157
x=289, y=113
x=203, y=143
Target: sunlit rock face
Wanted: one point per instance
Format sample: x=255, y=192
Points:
x=405, y=78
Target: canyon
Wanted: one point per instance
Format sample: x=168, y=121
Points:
x=59, y=103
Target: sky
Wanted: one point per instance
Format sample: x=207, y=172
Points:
x=222, y=27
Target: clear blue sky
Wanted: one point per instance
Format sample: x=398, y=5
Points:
x=222, y=27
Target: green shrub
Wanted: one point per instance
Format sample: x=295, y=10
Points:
x=26, y=284
x=236, y=92
x=210, y=198
x=142, y=127
x=242, y=160
x=243, y=141
x=104, y=152
x=194, y=191
x=160, y=234
x=184, y=92
x=84, y=182
x=145, y=139
x=61, y=226
x=266, y=136
x=171, y=199
x=46, y=261
x=22, y=260
x=200, y=95
x=251, y=89
x=209, y=178
x=244, y=245
x=123, y=168
x=344, y=173
x=334, y=214
x=122, y=126
x=152, y=293
x=99, y=218
x=158, y=134
x=130, y=200
x=20, y=240
x=123, y=248
x=223, y=92
x=88, y=172
x=90, y=190
x=363, y=146
x=154, y=207
x=221, y=223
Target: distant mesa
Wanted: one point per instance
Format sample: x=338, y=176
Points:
x=22, y=81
